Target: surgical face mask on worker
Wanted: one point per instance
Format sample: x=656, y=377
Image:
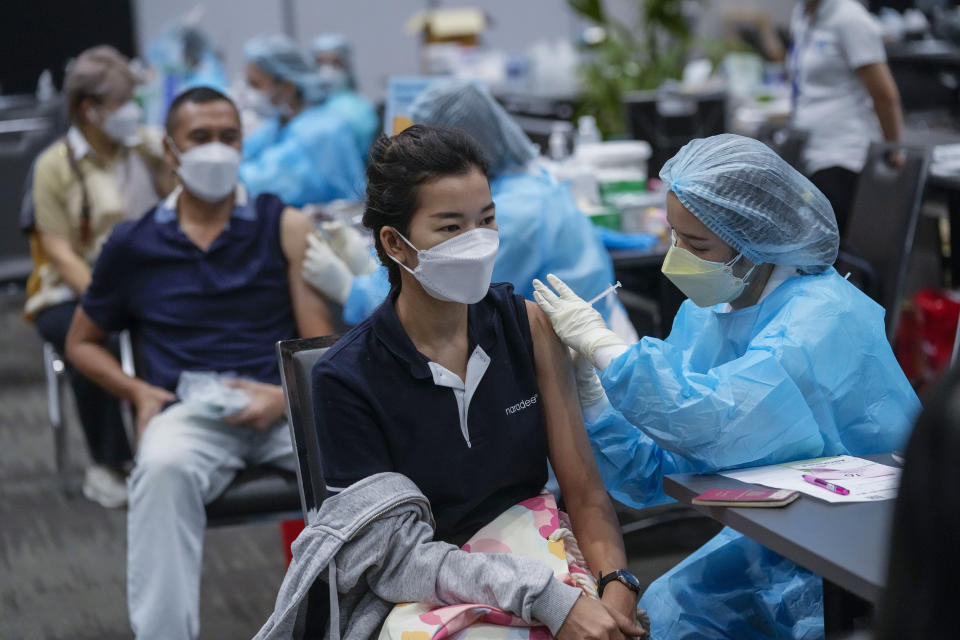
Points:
x=268, y=103
x=458, y=269
x=261, y=102
x=706, y=283
x=120, y=125
x=332, y=75
x=208, y=171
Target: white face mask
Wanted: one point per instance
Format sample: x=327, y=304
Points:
x=332, y=75
x=458, y=269
x=259, y=100
x=123, y=124
x=208, y=171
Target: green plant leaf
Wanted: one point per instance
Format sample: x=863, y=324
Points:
x=592, y=9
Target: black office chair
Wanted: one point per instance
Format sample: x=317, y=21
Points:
x=297, y=358
x=878, y=243
x=257, y=494
x=786, y=141
x=28, y=129
x=668, y=120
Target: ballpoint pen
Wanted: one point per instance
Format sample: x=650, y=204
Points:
x=829, y=486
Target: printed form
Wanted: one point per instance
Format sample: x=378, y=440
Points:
x=866, y=480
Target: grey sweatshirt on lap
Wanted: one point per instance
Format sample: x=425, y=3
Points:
x=374, y=542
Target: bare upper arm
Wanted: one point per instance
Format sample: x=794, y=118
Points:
x=295, y=226
x=567, y=440
x=310, y=309
x=878, y=80
x=83, y=329
x=56, y=247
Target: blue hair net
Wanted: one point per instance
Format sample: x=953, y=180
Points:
x=280, y=57
x=337, y=43
x=756, y=202
x=468, y=106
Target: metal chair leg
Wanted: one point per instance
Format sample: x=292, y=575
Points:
x=126, y=409
x=55, y=371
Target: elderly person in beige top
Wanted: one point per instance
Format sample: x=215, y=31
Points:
x=106, y=169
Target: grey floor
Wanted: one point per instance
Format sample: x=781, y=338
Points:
x=62, y=557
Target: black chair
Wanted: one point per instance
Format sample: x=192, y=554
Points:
x=26, y=129
x=787, y=142
x=56, y=376
x=878, y=243
x=297, y=358
x=668, y=120
x=257, y=494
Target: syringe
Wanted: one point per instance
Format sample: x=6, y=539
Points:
x=604, y=293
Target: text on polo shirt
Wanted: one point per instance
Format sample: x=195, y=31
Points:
x=523, y=404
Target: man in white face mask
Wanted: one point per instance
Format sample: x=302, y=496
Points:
x=208, y=280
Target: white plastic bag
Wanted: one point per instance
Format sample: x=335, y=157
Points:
x=209, y=395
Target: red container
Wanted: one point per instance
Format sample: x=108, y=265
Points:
x=289, y=530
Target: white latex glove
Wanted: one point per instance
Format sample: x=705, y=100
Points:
x=325, y=272
x=588, y=382
x=349, y=246
x=578, y=325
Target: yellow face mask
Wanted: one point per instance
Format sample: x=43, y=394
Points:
x=706, y=283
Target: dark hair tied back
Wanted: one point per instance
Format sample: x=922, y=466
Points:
x=399, y=165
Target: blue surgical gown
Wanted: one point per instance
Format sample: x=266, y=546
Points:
x=311, y=159
x=541, y=231
x=806, y=372
x=359, y=115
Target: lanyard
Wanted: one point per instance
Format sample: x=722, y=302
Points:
x=796, y=51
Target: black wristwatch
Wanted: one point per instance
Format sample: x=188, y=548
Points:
x=622, y=576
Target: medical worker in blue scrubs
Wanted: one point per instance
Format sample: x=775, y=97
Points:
x=541, y=229
x=774, y=357
x=300, y=153
x=334, y=64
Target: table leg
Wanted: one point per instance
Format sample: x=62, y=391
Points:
x=953, y=207
x=843, y=611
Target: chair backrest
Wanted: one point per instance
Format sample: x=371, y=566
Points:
x=297, y=358
x=668, y=120
x=788, y=142
x=883, y=222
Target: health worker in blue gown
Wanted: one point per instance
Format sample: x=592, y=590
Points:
x=541, y=228
x=333, y=58
x=774, y=357
x=300, y=152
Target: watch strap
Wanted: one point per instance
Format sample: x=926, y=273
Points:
x=614, y=576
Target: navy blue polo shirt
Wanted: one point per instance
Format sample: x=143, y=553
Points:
x=222, y=309
x=473, y=451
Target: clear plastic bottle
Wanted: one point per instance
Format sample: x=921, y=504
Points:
x=587, y=131
x=45, y=89
x=559, y=141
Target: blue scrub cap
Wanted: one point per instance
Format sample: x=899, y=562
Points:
x=280, y=57
x=469, y=106
x=338, y=43
x=756, y=202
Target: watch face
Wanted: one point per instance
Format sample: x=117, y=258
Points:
x=628, y=579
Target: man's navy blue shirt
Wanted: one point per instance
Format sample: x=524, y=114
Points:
x=222, y=309
x=381, y=405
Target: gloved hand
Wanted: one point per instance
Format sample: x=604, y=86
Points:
x=348, y=245
x=578, y=325
x=325, y=272
x=589, y=388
